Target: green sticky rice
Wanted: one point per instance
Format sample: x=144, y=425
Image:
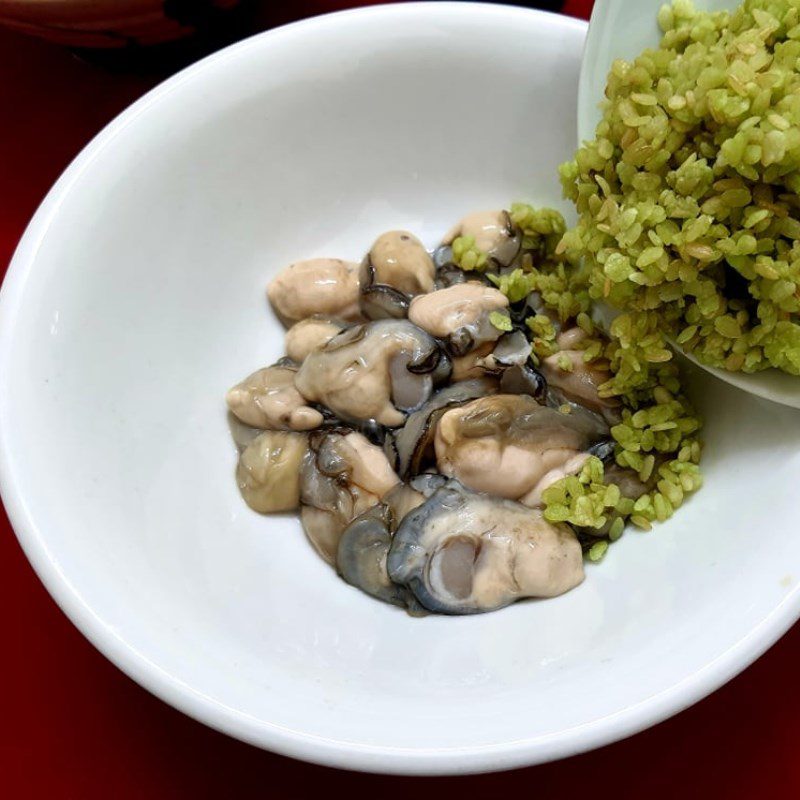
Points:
x=689, y=215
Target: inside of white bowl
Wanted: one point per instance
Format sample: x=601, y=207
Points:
x=137, y=299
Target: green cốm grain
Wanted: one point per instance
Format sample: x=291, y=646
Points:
x=689, y=215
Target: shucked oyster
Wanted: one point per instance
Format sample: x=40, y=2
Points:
x=326, y=286
x=579, y=383
x=375, y=371
x=412, y=444
x=396, y=269
x=505, y=444
x=342, y=475
x=364, y=546
x=460, y=314
x=309, y=334
x=268, y=473
x=494, y=233
x=269, y=399
x=462, y=552
x=362, y=553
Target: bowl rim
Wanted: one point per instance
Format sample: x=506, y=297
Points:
x=276, y=738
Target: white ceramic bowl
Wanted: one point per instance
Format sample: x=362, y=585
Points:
x=622, y=29
x=137, y=297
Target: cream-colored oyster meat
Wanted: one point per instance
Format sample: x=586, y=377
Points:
x=309, y=334
x=460, y=314
x=494, y=234
x=374, y=371
x=461, y=552
x=325, y=286
x=269, y=399
x=505, y=444
x=268, y=473
x=400, y=260
x=342, y=476
x=579, y=381
x=471, y=365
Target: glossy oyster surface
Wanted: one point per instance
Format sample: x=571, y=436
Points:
x=461, y=315
x=374, y=371
x=396, y=268
x=327, y=286
x=462, y=552
x=505, y=444
x=269, y=399
x=268, y=473
x=494, y=234
x=309, y=334
x=341, y=476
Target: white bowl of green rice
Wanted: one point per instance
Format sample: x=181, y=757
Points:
x=137, y=296
x=695, y=166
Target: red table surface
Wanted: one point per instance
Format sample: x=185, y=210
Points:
x=75, y=726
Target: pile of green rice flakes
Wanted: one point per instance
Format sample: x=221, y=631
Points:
x=689, y=216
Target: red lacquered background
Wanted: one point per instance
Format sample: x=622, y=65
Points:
x=73, y=726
